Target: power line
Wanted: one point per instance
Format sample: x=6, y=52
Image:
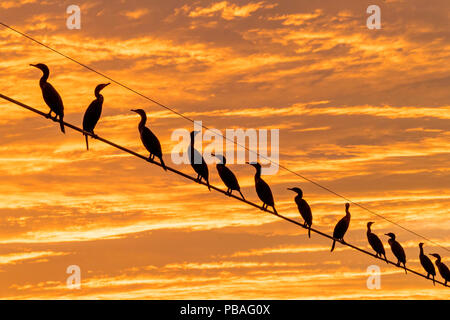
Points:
x=226, y=138
x=73, y=127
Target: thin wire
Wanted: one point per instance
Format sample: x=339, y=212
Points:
x=213, y=187
x=226, y=138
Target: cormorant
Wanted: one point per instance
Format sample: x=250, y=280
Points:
x=200, y=168
x=443, y=269
x=397, y=250
x=375, y=242
x=51, y=96
x=93, y=112
x=426, y=263
x=150, y=141
x=341, y=227
x=227, y=176
x=303, y=208
x=263, y=189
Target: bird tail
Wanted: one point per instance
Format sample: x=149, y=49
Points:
x=207, y=183
x=87, y=142
x=162, y=163
x=433, y=281
x=61, y=124
x=275, y=210
x=309, y=232
x=404, y=266
x=385, y=259
x=241, y=195
x=332, y=247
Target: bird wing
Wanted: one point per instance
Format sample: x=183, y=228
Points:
x=228, y=178
x=264, y=192
x=92, y=115
x=305, y=210
x=399, y=251
x=151, y=142
x=376, y=243
x=53, y=99
x=427, y=264
x=341, y=228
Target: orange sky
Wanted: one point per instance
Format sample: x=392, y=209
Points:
x=364, y=112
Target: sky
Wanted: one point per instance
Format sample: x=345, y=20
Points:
x=363, y=112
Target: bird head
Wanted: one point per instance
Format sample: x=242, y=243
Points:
x=421, y=244
x=255, y=164
x=436, y=256
x=369, y=224
x=390, y=235
x=347, y=205
x=140, y=112
x=297, y=190
x=220, y=157
x=100, y=87
x=41, y=66
x=194, y=133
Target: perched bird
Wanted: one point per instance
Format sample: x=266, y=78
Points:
x=93, y=112
x=443, y=269
x=263, y=189
x=150, y=141
x=227, y=176
x=426, y=263
x=397, y=250
x=375, y=242
x=51, y=96
x=341, y=227
x=303, y=208
x=197, y=162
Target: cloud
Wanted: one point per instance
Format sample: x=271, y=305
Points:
x=227, y=10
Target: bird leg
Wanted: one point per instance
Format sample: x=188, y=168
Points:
x=49, y=115
x=229, y=192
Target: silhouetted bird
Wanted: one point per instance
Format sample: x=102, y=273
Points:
x=93, y=112
x=197, y=162
x=303, y=208
x=397, y=250
x=51, y=96
x=263, y=189
x=375, y=242
x=227, y=176
x=426, y=263
x=150, y=141
x=341, y=227
x=443, y=269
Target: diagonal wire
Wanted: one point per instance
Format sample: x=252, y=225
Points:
x=226, y=138
x=214, y=188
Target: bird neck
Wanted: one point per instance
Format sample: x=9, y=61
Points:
x=98, y=95
x=347, y=214
x=44, y=77
x=143, y=121
x=421, y=251
x=258, y=173
x=369, y=230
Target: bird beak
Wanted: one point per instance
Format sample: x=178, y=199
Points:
x=107, y=84
x=33, y=65
x=133, y=110
x=290, y=189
